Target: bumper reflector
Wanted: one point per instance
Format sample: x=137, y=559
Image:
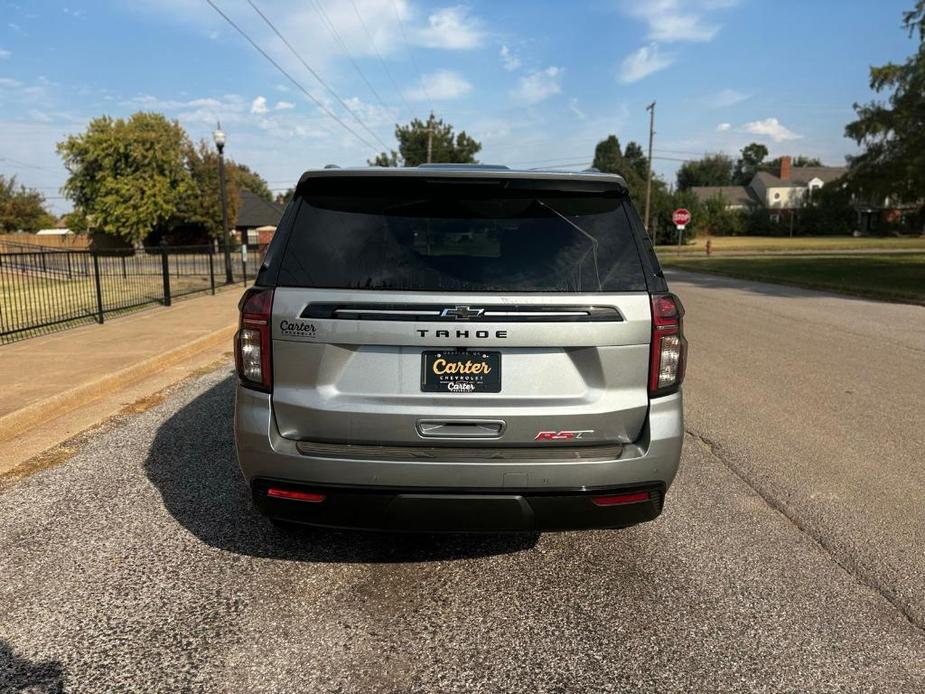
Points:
x=277, y=493
x=617, y=499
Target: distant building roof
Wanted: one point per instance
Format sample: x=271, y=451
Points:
x=54, y=232
x=254, y=211
x=732, y=195
x=800, y=176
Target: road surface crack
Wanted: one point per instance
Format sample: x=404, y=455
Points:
x=851, y=567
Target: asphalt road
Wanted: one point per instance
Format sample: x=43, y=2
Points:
x=789, y=557
x=818, y=401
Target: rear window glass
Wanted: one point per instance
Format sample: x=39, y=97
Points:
x=457, y=236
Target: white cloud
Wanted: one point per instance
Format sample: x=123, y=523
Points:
x=573, y=107
x=510, y=61
x=643, y=62
x=283, y=105
x=146, y=101
x=723, y=127
x=372, y=114
x=40, y=116
x=439, y=86
x=772, y=128
x=451, y=28
x=259, y=105
x=677, y=20
x=375, y=27
x=4, y=54
x=229, y=109
x=540, y=85
x=9, y=82
x=725, y=98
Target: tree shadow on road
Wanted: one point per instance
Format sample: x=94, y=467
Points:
x=192, y=463
x=21, y=675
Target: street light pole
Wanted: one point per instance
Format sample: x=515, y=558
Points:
x=219, y=137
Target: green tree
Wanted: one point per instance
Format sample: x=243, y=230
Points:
x=632, y=165
x=128, y=175
x=892, y=132
x=245, y=177
x=748, y=164
x=636, y=158
x=446, y=145
x=773, y=166
x=608, y=158
x=21, y=208
x=716, y=220
x=712, y=170
x=202, y=207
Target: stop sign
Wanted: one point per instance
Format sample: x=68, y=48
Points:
x=681, y=217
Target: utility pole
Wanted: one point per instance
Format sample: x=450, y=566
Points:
x=430, y=137
x=651, y=109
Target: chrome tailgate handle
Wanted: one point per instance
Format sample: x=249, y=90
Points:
x=460, y=428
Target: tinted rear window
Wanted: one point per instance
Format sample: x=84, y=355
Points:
x=424, y=235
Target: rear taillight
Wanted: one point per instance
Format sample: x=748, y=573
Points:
x=252, y=354
x=295, y=495
x=668, y=355
x=619, y=499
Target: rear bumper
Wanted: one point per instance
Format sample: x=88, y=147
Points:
x=456, y=510
x=415, y=494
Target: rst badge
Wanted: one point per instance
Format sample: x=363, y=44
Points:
x=561, y=435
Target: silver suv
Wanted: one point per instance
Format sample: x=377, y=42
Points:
x=460, y=348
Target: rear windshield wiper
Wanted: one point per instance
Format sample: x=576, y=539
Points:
x=594, y=242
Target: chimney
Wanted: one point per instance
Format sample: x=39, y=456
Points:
x=786, y=163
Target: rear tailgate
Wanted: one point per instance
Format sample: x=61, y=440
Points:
x=359, y=380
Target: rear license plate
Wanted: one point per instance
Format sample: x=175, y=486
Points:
x=451, y=371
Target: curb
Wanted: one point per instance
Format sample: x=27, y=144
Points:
x=15, y=423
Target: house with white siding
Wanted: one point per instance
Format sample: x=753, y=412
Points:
x=778, y=193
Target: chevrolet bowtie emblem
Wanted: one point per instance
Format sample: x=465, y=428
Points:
x=462, y=313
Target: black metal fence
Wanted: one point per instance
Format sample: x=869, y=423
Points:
x=43, y=289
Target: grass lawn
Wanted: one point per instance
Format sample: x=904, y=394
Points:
x=758, y=244
x=889, y=277
x=27, y=301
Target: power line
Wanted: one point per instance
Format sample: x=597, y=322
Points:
x=545, y=161
x=329, y=25
x=697, y=154
x=385, y=67
x=292, y=79
x=401, y=25
x=563, y=159
x=568, y=164
x=315, y=74
x=24, y=164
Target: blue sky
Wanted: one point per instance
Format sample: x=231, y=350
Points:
x=536, y=82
